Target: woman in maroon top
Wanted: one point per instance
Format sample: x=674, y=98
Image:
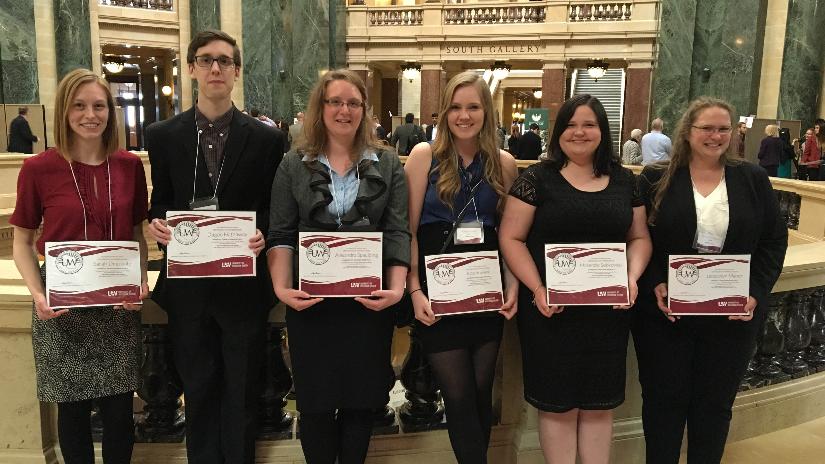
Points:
x=84, y=189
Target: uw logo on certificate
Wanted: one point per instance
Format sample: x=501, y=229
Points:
x=340, y=264
x=586, y=274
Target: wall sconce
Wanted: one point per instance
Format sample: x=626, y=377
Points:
x=113, y=67
x=537, y=93
x=410, y=71
x=597, y=69
x=166, y=90
x=500, y=70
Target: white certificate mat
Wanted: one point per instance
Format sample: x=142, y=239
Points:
x=210, y=244
x=586, y=274
x=339, y=264
x=460, y=283
x=708, y=285
x=92, y=273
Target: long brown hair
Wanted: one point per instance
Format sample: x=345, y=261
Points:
x=681, y=153
x=315, y=133
x=66, y=91
x=444, y=147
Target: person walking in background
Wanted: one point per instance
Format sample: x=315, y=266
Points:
x=432, y=129
x=813, y=152
x=529, y=146
x=380, y=132
x=83, y=189
x=786, y=158
x=770, y=150
x=513, y=140
x=296, y=132
x=655, y=145
x=21, y=139
x=406, y=136
x=705, y=200
x=632, y=149
x=737, y=140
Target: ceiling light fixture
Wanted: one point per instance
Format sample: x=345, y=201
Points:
x=537, y=93
x=597, y=69
x=410, y=71
x=500, y=70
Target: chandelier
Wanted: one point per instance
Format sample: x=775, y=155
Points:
x=410, y=71
x=537, y=93
x=500, y=70
x=597, y=69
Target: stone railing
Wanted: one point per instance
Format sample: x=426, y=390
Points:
x=145, y=4
x=580, y=12
x=473, y=14
x=395, y=17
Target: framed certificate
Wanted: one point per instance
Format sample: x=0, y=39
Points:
x=339, y=264
x=210, y=244
x=708, y=285
x=580, y=274
x=464, y=282
x=89, y=273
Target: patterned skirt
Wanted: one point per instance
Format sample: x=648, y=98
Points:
x=86, y=353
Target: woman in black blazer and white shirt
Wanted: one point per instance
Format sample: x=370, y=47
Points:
x=702, y=201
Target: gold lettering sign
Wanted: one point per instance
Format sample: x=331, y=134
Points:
x=489, y=49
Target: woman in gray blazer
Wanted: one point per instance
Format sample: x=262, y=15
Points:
x=341, y=179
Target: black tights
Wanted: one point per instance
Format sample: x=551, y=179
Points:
x=326, y=436
x=74, y=429
x=465, y=376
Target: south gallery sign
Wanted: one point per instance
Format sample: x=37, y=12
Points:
x=489, y=49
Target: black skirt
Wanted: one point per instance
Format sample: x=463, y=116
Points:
x=459, y=331
x=340, y=353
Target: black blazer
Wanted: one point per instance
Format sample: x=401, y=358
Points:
x=21, y=139
x=251, y=156
x=755, y=226
x=529, y=146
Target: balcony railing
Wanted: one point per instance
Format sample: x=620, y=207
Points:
x=144, y=4
x=600, y=12
x=494, y=15
x=395, y=17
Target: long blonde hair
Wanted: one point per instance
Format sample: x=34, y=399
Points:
x=681, y=153
x=444, y=147
x=315, y=133
x=66, y=91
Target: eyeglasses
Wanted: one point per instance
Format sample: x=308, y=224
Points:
x=338, y=103
x=710, y=130
x=205, y=61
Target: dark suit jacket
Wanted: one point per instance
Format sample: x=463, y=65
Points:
x=770, y=151
x=755, y=226
x=402, y=136
x=429, y=132
x=21, y=138
x=251, y=156
x=529, y=146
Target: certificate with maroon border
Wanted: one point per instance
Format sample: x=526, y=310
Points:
x=708, y=285
x=339, y=264
x=210, y=244
x=459, y=283
x=92, y=273
x=579, y=274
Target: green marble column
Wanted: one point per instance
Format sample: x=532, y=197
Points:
x=337, y=34
x=18, y=52
x=311, y=47
x=283, y=49
x=204, y=14
x=72, y=36
x=803, y=61
x=672, y=75
x=257, y=68
x=727, y=52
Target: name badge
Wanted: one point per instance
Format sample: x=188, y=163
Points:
x=468, y=233
x=204, y=204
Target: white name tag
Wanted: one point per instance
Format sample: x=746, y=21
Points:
x=468, y=233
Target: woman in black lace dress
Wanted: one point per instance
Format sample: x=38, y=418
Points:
x=574, y=359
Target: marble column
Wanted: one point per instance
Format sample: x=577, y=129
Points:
x=430, y=91
x=18, y=53
x=337, y=34
x=672, y=77
x=257, y=71
x=72, y=36
x=311, y=47
x=636, y=100
x=204, y=14
x=727, y=52
x=552, y=88
x=803, y=61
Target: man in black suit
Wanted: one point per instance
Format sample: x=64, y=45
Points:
x=529, y=147
x=431, y=129
x=407, y=135
x=216, y=325
x=20, y=133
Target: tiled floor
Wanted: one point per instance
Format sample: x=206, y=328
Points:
x=802, y=444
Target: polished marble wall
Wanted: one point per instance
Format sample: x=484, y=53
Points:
x=286, y=44
x=18, y=52
x=204, y=14
x=708, y=47
x=72, y=36
x=803, y=63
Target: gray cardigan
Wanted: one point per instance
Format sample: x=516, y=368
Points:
x=300, y=195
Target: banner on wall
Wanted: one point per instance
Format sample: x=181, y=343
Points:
x=540, y=116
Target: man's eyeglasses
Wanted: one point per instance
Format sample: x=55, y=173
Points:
x=205, y=61
x=338, y=103
x=710, y=130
